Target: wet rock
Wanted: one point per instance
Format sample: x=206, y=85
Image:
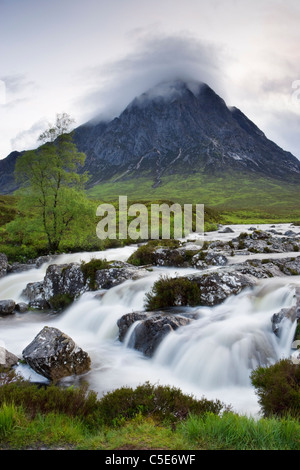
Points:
x=7, y=307
x=20, y=267
x=217, y=286
x=22, y=307
x=7, y=359
x=35, y=294
x=291, y=314
x=63, y=279
x=117, y=273
x=42, y=260
x=151, y=328
x=3, y=264
x=55, y=355
x=226, y=230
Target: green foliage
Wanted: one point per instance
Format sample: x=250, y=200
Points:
x=148, y=416
x=89, y=270
x=232, y=431
x=53, y=199
x=162, y=402
x=145, y=253
x=170, y=292
x=8, y=420
x=36, y=399
x=278, y=388
x=61, y=301
x=8, y=209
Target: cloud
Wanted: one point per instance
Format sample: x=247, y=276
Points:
x=28, y=139
x=155, y=58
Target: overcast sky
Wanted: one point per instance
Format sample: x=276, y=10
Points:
x=92, y=57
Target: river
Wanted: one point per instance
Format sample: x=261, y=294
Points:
x=211, y=357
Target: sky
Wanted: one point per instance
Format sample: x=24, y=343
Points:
x=90, y=58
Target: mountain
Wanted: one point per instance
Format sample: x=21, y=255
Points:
x=176, y=128
x=180, y=128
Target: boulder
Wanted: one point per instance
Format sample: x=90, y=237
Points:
x=3, y=264
x=22, y=307
x=63, y=279
x=7, y=359
x=34, y=293
x=117, y=273
x=217, y=286
x=7, y=307
x=151, y=328
x=55, y=355
x=226, y=230
x=292, y=314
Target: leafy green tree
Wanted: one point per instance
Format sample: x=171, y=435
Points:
x=52, y=189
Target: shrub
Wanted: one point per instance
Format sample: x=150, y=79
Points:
x=89, y=270
x=278, y=388
x=170, y=292
x=61, y=301
x=161, y=402
x=145, y=254
x=36, y=399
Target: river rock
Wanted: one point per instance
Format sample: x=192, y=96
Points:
x=3, y=264
x=117, y=273
x=151, y=328
x=292, y=314
x=227, y=230
x=22, y=307
x=55, y=355
x=7, y=359
x=35, y=294
x=7, y=307
x=217, y=286
x=63, y=279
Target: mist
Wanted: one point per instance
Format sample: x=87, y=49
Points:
x=157, y=59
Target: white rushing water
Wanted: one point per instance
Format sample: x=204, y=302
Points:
x=211, y=357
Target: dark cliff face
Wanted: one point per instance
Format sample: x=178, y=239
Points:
x=176, y=128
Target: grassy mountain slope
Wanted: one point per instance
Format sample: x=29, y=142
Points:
x=238, y=196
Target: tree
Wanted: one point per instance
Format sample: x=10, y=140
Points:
x=51, y=187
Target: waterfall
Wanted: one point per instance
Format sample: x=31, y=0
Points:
x=213, y=356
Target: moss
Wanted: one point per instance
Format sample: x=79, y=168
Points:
x=145, y=254
x=89, y=270
x=61, y=301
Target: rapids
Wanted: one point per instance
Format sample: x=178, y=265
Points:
x=211, y=357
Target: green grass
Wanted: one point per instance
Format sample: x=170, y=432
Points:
x=8, y=209
x=232, y=431
x=241, y=198
x=147, y=417
x=208, y=432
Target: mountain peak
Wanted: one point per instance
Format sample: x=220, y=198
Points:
x=167, y=91
x=178, y=127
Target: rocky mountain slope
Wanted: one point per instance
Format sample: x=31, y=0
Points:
x=180, y=128
x=176, y=127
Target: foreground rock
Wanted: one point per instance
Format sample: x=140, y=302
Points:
x=7, y=307
x=55, y=355
x=7, y=359
x=150, y=328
